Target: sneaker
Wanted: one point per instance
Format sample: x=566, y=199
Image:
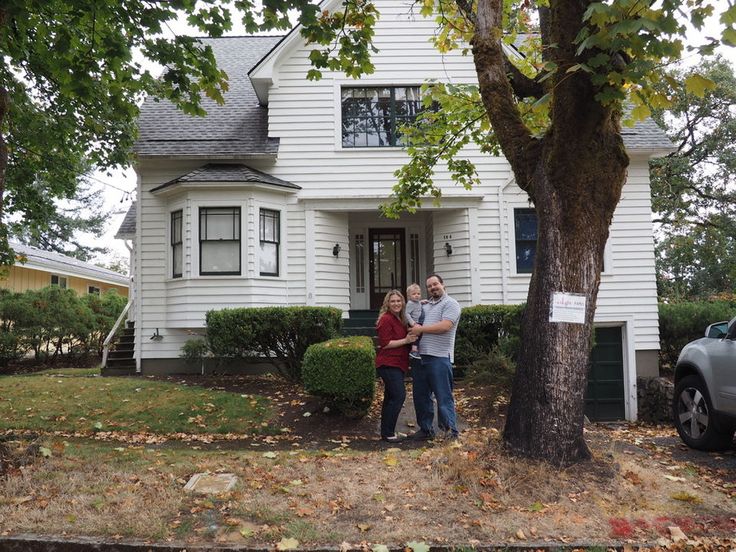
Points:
x=415, y=356
x=395, y=438
x=421, y=435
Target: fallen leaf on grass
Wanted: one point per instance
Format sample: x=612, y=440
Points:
x=676, y=534
x=379, y=548
x=687, y=497
x=520, y=535
x=287, y=544
x=363, y=527
x=391, y=460
x=270, y=455
x=674, y=478
x=418, y=546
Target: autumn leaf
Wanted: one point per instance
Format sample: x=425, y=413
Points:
x=687, y=497
x=45, y=452
x=270, y=455
x=391, y=460
x=287, y=544
x=363, y=527
x=379, y=548
x=418, y=546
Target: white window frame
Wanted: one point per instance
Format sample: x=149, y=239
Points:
x=281, y=208
x=63, y=281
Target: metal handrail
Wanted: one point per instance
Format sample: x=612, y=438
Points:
x=108, y=339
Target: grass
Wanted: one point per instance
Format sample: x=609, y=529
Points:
x=77, y=400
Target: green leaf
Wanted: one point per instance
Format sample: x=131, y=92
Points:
x=379, y=548
x=418, y=546
x=287, y=544
x=698, y=84
x=45, y=452
x=729, y=36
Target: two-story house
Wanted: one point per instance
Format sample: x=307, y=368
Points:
x=272, y=199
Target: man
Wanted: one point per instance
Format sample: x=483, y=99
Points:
x=434, y=375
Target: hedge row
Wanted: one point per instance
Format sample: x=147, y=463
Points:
x=279, y=334
x=55, y=324
x=486, y=327
x=680, y=323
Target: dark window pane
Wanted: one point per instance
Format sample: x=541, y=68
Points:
x=525, y=226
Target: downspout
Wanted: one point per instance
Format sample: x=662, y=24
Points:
x=504, y=246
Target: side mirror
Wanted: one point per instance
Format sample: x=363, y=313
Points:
x=717, y=330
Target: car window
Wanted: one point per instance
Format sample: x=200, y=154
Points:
x=717, y=331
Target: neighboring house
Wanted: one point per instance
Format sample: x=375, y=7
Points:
x=35, y=269
x=272, y=199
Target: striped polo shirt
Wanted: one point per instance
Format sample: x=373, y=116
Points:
x=436, y=310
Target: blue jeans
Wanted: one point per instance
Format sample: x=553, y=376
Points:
x=434, y=376
x=394, y=395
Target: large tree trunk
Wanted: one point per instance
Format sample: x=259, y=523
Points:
x=574, y=175
x=545, y=417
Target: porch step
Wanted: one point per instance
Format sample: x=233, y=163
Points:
x=120, y=361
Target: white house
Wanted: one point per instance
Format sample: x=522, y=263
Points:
x=272, y=199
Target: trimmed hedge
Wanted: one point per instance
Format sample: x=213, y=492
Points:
x=343, y=372
x=485, y=327
x=680, y=323
x=279, y=334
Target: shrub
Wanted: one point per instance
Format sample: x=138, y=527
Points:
x=484, y=327
x=278, y=334
x=493, y=368
x=105, y=309
x=680, y=323
x=343, y=372
x=194, y=351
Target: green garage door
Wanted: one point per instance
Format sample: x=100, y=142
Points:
x=604, y=397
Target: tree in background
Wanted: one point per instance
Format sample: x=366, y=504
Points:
x=694, y=188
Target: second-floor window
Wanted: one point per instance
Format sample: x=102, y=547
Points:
x=270, y=238
x=176, y=244
x=371, y=116
x=219, y=240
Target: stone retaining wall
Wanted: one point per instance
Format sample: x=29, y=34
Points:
x=655, y=397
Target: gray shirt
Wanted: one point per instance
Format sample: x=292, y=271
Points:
x=437, y=310
x=413, y=311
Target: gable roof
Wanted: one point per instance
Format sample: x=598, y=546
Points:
x=227, y=172
x=48, y=261
x=238, y=128
x=126, y=231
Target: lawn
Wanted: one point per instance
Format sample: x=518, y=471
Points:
x=80, y=400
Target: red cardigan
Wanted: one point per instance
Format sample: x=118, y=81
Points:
x=390, y=328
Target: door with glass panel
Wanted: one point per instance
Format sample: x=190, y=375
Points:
x=386, y=263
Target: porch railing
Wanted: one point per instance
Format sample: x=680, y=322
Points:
x=111, y=335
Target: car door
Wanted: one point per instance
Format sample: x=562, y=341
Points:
x=722, y=355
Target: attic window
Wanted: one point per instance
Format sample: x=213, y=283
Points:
x=371, y=117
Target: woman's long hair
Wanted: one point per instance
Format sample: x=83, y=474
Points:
x=385, y=309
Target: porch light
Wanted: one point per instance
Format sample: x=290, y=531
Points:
x=336, y=250
x=448, y=248
x=156, y=336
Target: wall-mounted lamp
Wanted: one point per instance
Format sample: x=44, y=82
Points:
x=336, y=250
x=448, y=248
x=157, y=336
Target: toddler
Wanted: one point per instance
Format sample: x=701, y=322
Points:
x=414, y=313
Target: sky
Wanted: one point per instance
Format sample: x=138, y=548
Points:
x=119, y=187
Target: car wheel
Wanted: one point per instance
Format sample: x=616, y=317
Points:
x=693, y=413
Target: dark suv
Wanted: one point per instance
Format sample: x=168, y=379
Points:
x=704, y=405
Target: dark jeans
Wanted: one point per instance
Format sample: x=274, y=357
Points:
x=394, y=394
x=434, y=376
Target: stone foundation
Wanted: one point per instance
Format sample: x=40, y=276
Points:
x=655, y=397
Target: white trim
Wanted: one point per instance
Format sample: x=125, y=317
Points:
x=283, y=224
x=372, y=203
x=474, y=235
x=311, y=270
x=196, y=205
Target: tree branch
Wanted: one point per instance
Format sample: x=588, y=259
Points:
x=496, y=91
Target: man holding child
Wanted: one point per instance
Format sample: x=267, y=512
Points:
x=434, y=375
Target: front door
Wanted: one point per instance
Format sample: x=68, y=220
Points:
x=387, y=262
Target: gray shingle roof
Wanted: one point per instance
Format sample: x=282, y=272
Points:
x=228, y=172
x=127, y=227
x=646, y=135
x=237, y=128
x=58, y=263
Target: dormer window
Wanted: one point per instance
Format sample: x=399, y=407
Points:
x=371, y=116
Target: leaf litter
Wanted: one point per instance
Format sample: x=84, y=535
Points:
x=470, y=493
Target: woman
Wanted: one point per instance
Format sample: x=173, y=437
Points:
x=392, y=360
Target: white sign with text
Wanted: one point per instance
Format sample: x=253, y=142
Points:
x=567, y=307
